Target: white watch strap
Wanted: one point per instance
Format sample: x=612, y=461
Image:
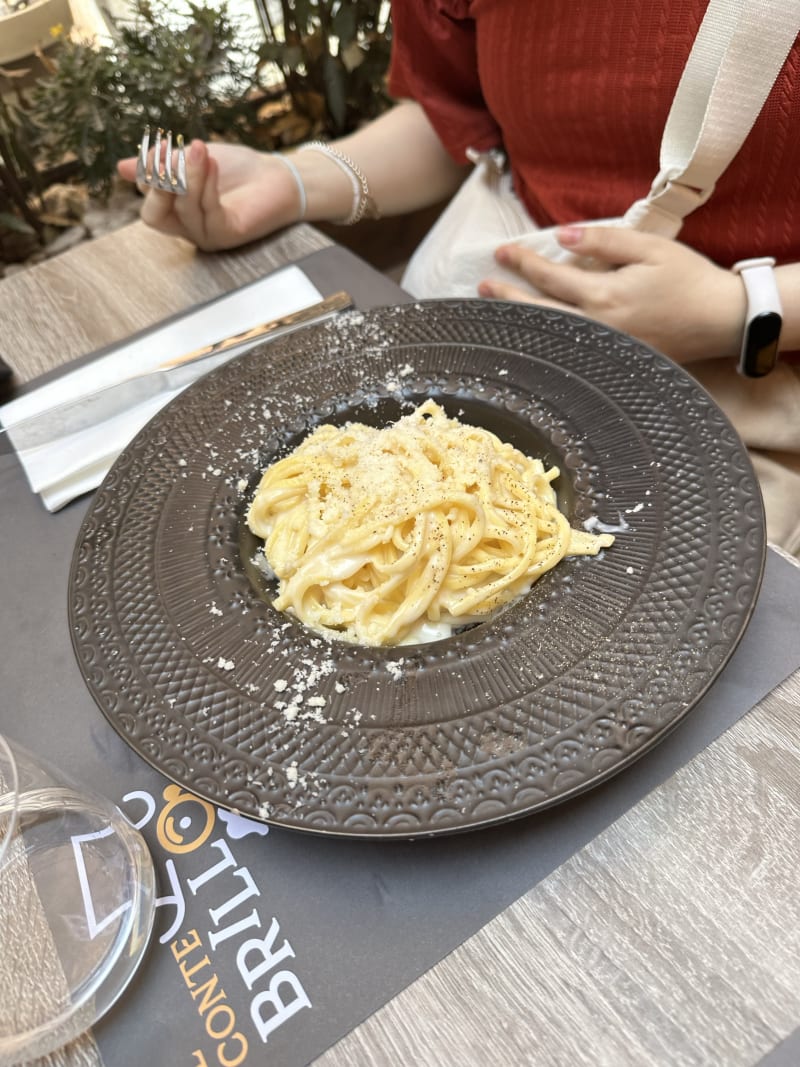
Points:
x=737, y=55
x=758, y=276
x=762, y=328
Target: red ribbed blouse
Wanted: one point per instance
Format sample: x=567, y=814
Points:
x=577, y=92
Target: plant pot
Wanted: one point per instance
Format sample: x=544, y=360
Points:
x=22, y=32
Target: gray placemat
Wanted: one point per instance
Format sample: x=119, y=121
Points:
x=787, y=1054
x=270, y=948
x=287, y=937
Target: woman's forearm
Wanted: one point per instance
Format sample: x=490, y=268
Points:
x=402, y=158
x=788, y=281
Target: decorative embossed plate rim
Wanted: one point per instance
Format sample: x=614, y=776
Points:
x=181, y=649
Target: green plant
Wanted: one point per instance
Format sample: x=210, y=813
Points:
x=196, y=77
x=332, y=56
x=20, y=224
x=319, y=72
x=18, y=172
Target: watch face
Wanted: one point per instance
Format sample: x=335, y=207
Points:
x=760, y=349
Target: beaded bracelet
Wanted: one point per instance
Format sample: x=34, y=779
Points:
x=295, y=173
x=363, y=204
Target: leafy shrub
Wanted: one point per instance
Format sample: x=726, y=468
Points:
x=319, y=72
x=332, y=56
x=196, y=77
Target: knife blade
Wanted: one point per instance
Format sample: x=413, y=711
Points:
x=91, y=409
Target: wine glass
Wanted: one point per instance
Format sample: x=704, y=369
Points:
x=77, y=900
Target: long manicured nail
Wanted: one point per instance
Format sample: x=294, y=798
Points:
x=570, y=235
x=485, y=289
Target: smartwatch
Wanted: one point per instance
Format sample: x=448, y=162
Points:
x=762, y=328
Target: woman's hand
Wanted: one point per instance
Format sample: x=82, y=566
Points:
x=236, y=194
x=660, y=291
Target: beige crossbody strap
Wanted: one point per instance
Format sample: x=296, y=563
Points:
x=737, y=55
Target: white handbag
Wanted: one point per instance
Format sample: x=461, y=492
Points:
x=739, y=49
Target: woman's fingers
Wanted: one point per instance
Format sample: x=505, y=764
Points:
x=576, y=284
x=562, y=282
x=181, y=215
x=126, y=168
x=157, y=209
x=497, y=290
x=615, y=246
x=191, y=208
x=214, y=214
x=660, y=291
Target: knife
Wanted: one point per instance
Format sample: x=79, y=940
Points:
x=89, y=409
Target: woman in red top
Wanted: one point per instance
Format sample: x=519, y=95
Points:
x=577, y=94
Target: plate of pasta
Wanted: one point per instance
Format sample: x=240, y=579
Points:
x=417, y=570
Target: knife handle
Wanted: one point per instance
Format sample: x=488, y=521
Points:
x=336, y=302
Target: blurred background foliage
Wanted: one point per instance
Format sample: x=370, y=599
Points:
x=317, y=70
x=332, y=56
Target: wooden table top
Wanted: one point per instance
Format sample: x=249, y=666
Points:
x=672, y=938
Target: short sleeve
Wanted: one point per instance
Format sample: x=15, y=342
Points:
x=434, y=62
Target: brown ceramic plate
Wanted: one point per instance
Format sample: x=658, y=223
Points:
x=176, y=637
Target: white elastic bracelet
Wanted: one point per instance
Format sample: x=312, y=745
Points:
x=295, y=173
x=762, y=328
x=363, y=204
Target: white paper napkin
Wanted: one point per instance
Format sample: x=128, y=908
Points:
x=72, y=465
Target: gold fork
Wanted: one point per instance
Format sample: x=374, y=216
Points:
x=156, y=174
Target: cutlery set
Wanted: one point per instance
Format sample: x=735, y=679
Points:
x=91, y=409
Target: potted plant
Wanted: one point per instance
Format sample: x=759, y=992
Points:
x=26, y=27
